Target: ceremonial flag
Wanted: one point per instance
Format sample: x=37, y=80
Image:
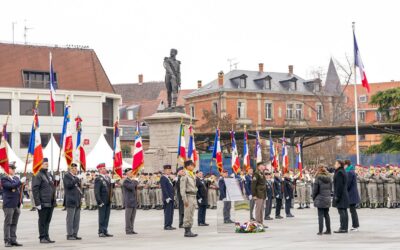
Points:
x=66, y=136
x=80, y=151
x=182, y=144
x=272, y=154
x=117, y=151
x=35, y=144
x=138, y=156
x=258, y=154
x=358, y=63
x=235, y=156
x=299, y=163
x=217, y=152
x=3, y=151
x=192, y=153
x=246, y=156
x=52, y=88
x=285, y=157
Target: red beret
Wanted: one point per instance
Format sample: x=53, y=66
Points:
x=101, y=165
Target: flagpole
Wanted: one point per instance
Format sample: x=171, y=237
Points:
x=356, y=105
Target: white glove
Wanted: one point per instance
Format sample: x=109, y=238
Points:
x=266, y=198
x=57, y=177
x=168, y=200
x=287, y=198
x=224, y=199
x=23, y=179
x=199, y=200
x=101, y=205
x=39, y=207
x=250, y=197
x=112, y=181
x=277, y=196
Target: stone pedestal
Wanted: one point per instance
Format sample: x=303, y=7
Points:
x=163, y=134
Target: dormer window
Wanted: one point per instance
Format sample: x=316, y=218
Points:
x=268, y=83
x=242, y=83
x=295, y=85
x=317, y=87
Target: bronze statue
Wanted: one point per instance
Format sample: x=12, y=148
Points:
x=172, y=77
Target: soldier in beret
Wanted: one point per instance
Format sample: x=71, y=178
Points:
x=11, y=205
x=102, y=189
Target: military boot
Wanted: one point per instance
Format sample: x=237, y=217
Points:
x=188, y=232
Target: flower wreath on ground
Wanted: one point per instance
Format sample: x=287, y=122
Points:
x=249, y=227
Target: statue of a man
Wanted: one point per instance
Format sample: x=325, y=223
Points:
x=172, y=77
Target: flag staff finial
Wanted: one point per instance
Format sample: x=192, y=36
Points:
x=37, y=102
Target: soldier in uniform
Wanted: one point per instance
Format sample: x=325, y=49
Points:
x=288, y=194
x=168, y=194
x=308, y=181
x=213, y=192
x=73, y=197
x=201, y=199
x=44, y=193
x=222, y=197
x=259, y=191
x=397, y=178
x=172, y=77
x=130, y=185
x=301, y=191
x=278, y=195
x=269, y=195
x=372, y=187
x=33, y=207
x=188, y=191
x=140, y=191
x=363, y=187
x=92, y=197
x=11, y=205
x=380, y=186
x=180, y=173
x=390, y=182
x=158, y=192
x=145, y=192
x=85, y=188
x=247, y=190
x=102, y=189
x=118, y=194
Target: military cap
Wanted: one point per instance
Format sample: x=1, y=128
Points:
x=45, y=159
x=127, y=170
x=12, y=165
x=188, y=163
x=179, y=169
x=167, y=166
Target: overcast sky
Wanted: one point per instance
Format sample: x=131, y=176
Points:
x=133, y=37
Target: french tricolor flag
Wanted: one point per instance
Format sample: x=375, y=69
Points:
x=285, y=157
x=235, y=156
x=299, y=162
x=117, y=151
x=52, y=87
x=246, y=156
x=358, y=62
x=138, y=155
x=35, y=145
x=182, y=144
x=217, y=152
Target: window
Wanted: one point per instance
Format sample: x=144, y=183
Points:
x=8, y=138
x=289, y=111
x=24, y=139
x=268, y=111
x=379, y=116
x=214, y=108
x=110, y=137
x=363, y=98
x=299, y=111
x=361, y=137
x=347, y=115
x=317, y=87
x=268, y=84
x=192, y=114
x=241, y=110
x=242, y=83
x=130, y=114
x=38, y=79
x=5, y=107
x=108, y=112
x=26, y=108
x=319, y=112
x=361, y=116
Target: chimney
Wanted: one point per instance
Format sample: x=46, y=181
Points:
x=221, y=78
x=290, y=69
x=140, y=79
x=199, y=84
x=261, y=68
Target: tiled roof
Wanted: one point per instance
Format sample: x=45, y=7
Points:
x=76, y=69
x=133, y=92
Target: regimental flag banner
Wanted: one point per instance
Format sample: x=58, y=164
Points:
x=235, y=156
x=117, y=151
x=246, y=156
x=182, y=144
x=52, y=87
x=299, y=163
x=276, y=156
x=35, y=144
x=80, y=151
x=358, y=62
x=285, y=156
x=217, y=152
x=258, y=154
x=3, y=151
x=138, y=154
x=66, y=136
x=272, y=154
x=192, y=152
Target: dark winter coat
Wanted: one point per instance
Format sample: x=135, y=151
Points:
x=43, y=189
x=202, y=192
x=72, y=191
x=278, y=188
x=129, y=187
x=11, y=195
x=322, y=191
x=288, y=188
x=354, y=197
x=340, y=194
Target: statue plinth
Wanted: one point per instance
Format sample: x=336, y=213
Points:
x=164, y=133
x=176, y=109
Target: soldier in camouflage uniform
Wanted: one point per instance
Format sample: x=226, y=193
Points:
x=380, y=186
x=362, y=185
x=308, y=181
x=301, y=191
x=158, y=192
x=372, y=178
x=396, y=173
x=188, y=190
x=390, y=183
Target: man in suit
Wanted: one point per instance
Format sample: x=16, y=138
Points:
x=222, y=197
x=44, y=193
x=11, y=205
x=288, y=194
x=102, y=189
x=73, y=197
x=278, y=194
x=168, y=193
x=202, y=199
x=259, y=192
x=180, y=173
x=247, y=189
x=269, y=196
x=130, y=202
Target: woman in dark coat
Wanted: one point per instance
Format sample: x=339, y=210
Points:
x=322, y=198
x=354, y=197
x=341, y=196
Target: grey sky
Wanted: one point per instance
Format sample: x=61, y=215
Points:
x=132, y=37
